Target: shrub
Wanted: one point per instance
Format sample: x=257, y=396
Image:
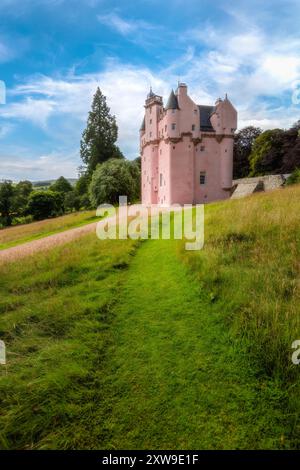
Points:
x=294, y=178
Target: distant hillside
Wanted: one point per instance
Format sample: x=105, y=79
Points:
x=47, y=183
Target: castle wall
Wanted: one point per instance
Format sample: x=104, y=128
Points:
x=182, y=171
x=208, y=160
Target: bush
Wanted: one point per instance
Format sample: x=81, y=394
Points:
x=45, y=204
x=112, y=179
x=294, y=178
x=27, y=219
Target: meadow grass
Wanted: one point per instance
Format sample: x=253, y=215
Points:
x=55, y=316
x=19, y=234
x=123, y=344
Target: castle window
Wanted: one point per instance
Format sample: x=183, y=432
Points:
x=202, y=177
x=202, y=148
x=195, y=111
x=165, y=128
x=160, y=179
x=193, y=127
x=150, y=121
x=150, y=134
x=173, y=126
x=173, y=111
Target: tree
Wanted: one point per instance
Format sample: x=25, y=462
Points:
x=22, y=193
x=45, y=204
x=267, y=153
x=61, y=185
x=7, y=202
x=291, y=149
x=135, y=170
x=243, y=142
x=110, y=180
x=98, y=142
x=72, y=201
x=82, y=184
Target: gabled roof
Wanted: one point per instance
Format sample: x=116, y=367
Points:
x=143, y=125
x=205, y=113
x=172, y=101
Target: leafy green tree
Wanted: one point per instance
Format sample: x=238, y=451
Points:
x=72, y=201
x=45, y=204
x=291, y=149
x=7, y=202
x=135, y=170
x=267, y=153
x=61, y=185
x=98, y=142
x=243, y=142
x=82, y=184
x=112, y=179
x=22, y=192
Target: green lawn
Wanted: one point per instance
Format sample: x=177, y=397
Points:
x=123, y=344
x=19, y=234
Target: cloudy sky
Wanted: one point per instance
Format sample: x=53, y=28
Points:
x=54, y=53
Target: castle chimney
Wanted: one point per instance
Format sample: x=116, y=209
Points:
x=182, y=89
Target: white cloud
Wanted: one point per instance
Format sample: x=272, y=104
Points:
x=122, y=26
x=42, y=168
x=6, y=53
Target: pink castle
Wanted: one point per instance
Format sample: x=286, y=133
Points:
x=186, y=149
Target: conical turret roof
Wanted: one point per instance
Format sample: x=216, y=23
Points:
x=143, y=126
x=172, y=101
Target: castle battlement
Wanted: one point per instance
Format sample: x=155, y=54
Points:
x=186, y=149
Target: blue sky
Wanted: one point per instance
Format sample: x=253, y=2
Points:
x=54, y=53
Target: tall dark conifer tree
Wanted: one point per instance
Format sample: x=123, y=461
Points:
x=98, y=142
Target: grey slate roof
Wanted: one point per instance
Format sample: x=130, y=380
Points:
x=172, y=101
x=205, y=113
x=143, y=125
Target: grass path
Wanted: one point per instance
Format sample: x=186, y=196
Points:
x=174, y=376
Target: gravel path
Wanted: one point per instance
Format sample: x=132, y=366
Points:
x=46, y=243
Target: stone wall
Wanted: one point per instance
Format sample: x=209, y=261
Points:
x=245, y=186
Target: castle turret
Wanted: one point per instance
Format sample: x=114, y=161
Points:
x=153, y=107
x=224, y=120
x=172, y=111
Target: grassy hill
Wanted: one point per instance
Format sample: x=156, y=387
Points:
x=128, y=344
